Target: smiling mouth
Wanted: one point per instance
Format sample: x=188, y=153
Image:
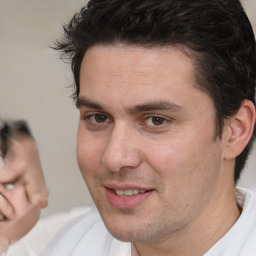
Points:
x=127, y=198
x=128, y=192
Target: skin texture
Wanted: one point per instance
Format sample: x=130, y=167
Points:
x=20, y=214
x=144, y=124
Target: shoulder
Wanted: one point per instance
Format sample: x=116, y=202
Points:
x=85, y=233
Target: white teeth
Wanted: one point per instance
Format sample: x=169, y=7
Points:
x=119, y=192
x=129, y=192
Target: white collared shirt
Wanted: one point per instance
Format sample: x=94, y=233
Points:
x=240, y=240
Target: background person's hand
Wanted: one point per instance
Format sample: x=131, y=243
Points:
x=22, y=186
x=23, y=165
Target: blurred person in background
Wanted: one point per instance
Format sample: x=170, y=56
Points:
x=22, y=186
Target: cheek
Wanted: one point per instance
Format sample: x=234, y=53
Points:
x=89, y=153
x=170, y=157
x=182, y=163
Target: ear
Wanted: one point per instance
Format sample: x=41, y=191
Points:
x=240, y=129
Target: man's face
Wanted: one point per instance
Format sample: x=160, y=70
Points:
x=146, y=145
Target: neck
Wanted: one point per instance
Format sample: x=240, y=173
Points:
x=199, y=236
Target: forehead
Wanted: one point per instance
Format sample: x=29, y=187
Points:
x=133, y=74
x=146, y=62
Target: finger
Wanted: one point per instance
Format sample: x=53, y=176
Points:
x=17, y=198
x=40, y=199
x=33, y=174
x=36, y=190
x=35, y=185
x=6, y=208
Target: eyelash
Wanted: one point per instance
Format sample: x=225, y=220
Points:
x=90, y=118
x=162, y=120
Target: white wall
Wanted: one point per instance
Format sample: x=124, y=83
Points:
x=33, y=86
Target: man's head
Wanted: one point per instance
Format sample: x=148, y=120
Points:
x=166, y=92
x=216, y=35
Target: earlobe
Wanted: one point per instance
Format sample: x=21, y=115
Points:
x=241, y=127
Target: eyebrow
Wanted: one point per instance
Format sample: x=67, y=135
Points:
x=153, y=106
x=148, y=106
x=83, y=102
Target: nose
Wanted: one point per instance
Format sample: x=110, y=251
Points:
x=122, y=150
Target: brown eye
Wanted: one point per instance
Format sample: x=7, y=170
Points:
x=156, y=120
x=99, y=118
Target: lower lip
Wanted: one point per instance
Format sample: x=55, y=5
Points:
x=126, y=202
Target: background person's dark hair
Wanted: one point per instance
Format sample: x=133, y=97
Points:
x=216, y=35
x=9, y=130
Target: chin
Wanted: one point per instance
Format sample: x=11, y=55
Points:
x=126, y=237
x=132, y=235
